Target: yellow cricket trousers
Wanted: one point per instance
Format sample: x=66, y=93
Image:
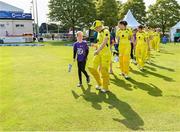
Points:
x=141, y=53
x=101, y=76
x=124, y=57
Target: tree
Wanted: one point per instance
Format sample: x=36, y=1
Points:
x=164, y=14
x=120, y=6
x=72, y=13
x=107, y=10
x=43, y=28
x=53, y=28
x=49, y=28
x=138, y=9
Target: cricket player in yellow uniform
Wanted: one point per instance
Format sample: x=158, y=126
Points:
x=102, y=57
x=148, y=38
x=141, y=47
x=158, y=39
x=153, y=39
x=123, y=36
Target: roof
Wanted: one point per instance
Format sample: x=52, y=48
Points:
x=177, y=25
x=7, y=7
x=132, y=22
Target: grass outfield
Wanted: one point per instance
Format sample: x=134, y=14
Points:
x=37, y=93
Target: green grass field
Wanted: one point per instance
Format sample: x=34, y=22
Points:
x=37, y=93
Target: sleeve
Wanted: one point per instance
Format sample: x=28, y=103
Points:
x=117, y=34
x=135, y=36
x=147, y=36
x=159, y=34
x=74, y=51
x=106, y=33
x=130, y=33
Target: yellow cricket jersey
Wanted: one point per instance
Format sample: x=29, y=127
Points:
x=148, y=35
x=158, y=34
x=151, y=35
x=124, y=35
x=100, y=38
x=154, y=35
x=141, y=37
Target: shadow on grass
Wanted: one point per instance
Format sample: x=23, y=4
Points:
x=131, y=118
x=145, y=73
x=89, y=96
x=166, y=52
x=151, y=89
x=162, y=67
x=157, y=55
x=174, y=96
x=138, y=72
x=76, y=96
x=151, y=68
x=159, y=75
x=121, y=83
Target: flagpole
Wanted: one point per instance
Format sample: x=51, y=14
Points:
x=34, y=25
x=37, y=17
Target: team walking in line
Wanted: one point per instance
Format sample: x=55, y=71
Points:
x=129, y=44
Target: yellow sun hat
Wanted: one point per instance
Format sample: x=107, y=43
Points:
x=96, y=24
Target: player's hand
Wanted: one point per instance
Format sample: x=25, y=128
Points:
x=92, y=44
x=96, y=52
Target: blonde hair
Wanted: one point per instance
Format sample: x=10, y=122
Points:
x=78, y=33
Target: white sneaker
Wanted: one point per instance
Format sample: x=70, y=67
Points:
x=134, y=62
x=122, y=74
x=149, y=62
x=126, y=77
x=104, y=91
x=141, y=69
x=98, y=87
x=111, y=72
x=79, y=85
x=116, y=59
x=131, y=60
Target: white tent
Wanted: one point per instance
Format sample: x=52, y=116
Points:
x=132, y=22
x=173, y=30
x=6, y=7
